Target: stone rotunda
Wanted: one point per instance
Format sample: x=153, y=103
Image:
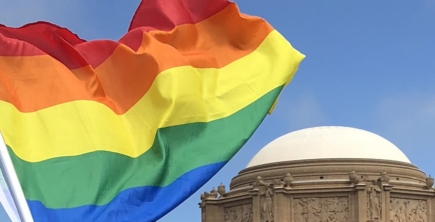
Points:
x=325, y=174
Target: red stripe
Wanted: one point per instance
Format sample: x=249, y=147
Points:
x=166, y=14
x=60, y=43
x=43, y=38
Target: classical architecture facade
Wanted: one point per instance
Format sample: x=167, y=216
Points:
x=325, y=174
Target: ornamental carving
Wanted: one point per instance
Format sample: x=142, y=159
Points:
x=405, y=210
x=266, y=202
x=374, y=203
x=330, y=209
x=266, y=198
x=241, y=213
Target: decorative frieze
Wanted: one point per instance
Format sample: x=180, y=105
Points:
x=328, y=209
x=407, y=210
x=240, y=213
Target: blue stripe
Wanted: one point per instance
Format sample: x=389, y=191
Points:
x=132, y=204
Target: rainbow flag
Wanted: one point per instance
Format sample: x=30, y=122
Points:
x=126, y=130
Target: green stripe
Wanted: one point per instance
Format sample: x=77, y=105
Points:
x=96, y=178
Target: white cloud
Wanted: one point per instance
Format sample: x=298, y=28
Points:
x=429, y=5
x=408, y=114
x=408, y=120
x=301, y=112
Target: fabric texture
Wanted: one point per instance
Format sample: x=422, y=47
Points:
x=126, y=130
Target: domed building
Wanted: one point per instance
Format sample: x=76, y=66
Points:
x=325, y=174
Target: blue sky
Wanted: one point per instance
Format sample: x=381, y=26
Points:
x=370, y=65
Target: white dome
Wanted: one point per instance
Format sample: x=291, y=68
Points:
x=329, y=142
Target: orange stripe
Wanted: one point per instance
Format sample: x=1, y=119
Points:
x=37, y=82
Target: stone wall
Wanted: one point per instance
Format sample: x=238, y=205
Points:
x=364, y=197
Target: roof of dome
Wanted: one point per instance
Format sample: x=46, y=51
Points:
x=328, y=142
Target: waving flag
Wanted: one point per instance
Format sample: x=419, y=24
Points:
x=126, y=130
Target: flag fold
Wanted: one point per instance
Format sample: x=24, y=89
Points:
x=126, y=130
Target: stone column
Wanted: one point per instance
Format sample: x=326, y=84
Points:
x=386, y=206
x=362, y=202
x=214, y=213
x=255, y=205
x=431, y=209
x=282, y=208
x=211, y=209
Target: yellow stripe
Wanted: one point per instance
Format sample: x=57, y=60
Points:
x=178, y=96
